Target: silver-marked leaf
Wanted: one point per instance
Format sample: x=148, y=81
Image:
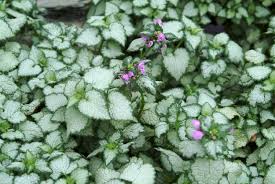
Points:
x=94, y=106
x=89, y=37
x=119, y=106
x=28, y=68
x=100, y=78
x=7, y=61
x=177, y=63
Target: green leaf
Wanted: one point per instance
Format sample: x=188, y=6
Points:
x=149, y=115
x=10, y=149
x=5, y=178
x=206, y=98
x=214, y=147
x=89, y=37
x=190, y=10
x=177, y=63
x=147, y=84
x=161, y=128
x=42, y=166
x=55, y=101
x=110, y=9
x=235, y=52
x=132, y=131
x=221, y=39
x=94, y=105
x=140, y=3
x=266, y=115
x=254, y=56
x=7, y=61
x=81, y=176
x=173, y=27
x=193, y=40
x=7, y=86
x=207, y=171
x=119, y=106
x=28, y=68
x=17, y=23
x=270, y=175
x=138, y=173
x=112, y=50
x=213, y=68
x=99, y=78
x=24, y=5
x=12, y=112
x=269, y=133
x=107, y=176
x=54, y=139
x=258, y=96
x=61, y=165
x=192, y=110
x=259, y=72
x=53, y=30
x=158, y=4
x=46, y=124
x=220, y=118
x=75, y=120
x=229, y=112
x=171, y=161
x=27, y=178
x=174, y=92
x=5, y=30
x=109, y=155
x=116, y=31
x=136, y=45
x=30, y=130
x=191, y=148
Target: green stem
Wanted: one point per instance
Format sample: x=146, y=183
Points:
x=181, y=41
x=142, y=103
x=147, y=51
x=177, y=123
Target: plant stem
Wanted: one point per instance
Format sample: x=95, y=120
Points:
x=179, y=43
x=142, y=103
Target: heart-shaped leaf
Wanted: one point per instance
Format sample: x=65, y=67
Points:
x=177, y=63
x=28, y=68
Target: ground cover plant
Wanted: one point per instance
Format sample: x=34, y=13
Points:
x=145, y=92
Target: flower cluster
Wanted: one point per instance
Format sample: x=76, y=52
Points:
x=157, y=37
x=197, y=134
x=134, y=71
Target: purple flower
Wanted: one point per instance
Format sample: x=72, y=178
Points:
x=197, y=135
x=161, y=37
x=125, y=77
x=141, y=67
x=158, y=21
x=144, y=37
x=149, y=44
x=131, y=74
x=196, y=123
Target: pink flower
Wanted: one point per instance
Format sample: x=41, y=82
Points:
x=149, y=44
x=131, y=74
x=158, y=21
x=161, y=37
x=125, y=77
x=196, y=123
x=141, y=67
x=197, y=135
x=144, y=37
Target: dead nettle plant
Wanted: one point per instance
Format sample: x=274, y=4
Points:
x=140, y=94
